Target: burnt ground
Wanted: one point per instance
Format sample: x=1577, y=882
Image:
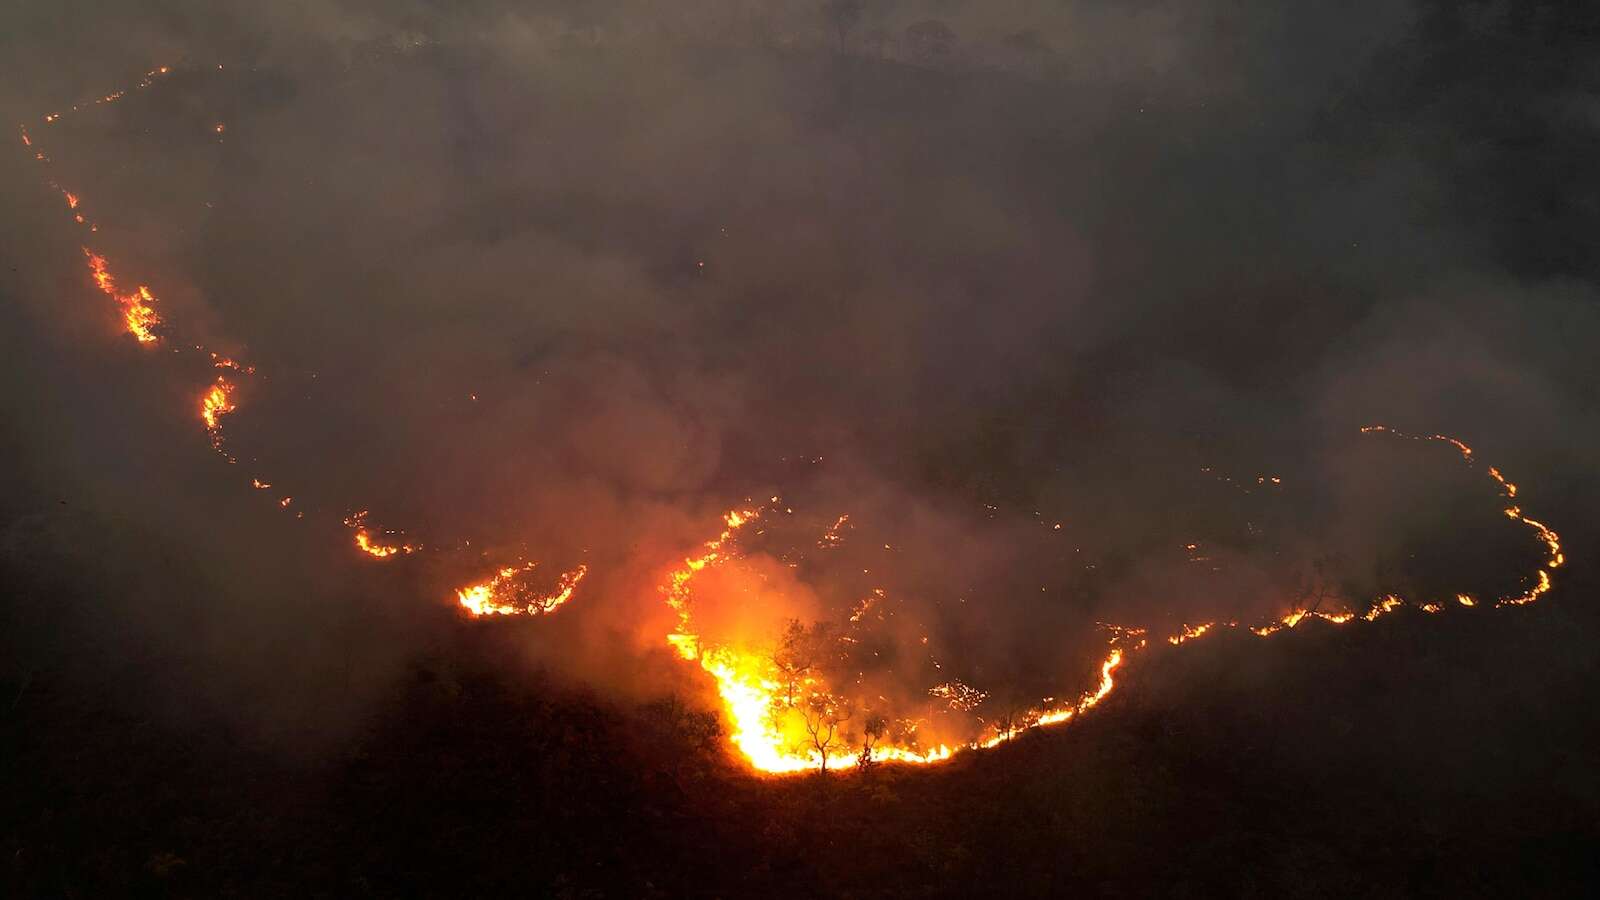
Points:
x=1421, y=756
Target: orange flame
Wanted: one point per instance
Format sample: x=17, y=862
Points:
x=214, y=404
x=138, y=314
x=746, y=678
x=371, y=546
x=223, y=362
x=503, y=595
x=755, y=695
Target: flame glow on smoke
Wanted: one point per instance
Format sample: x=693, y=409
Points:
x=783, y=719
x=784, y=715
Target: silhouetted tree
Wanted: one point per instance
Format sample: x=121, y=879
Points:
x=872, y=732
x=1010, y=714
x=825, y=715
x=843, y=16
x=800, y=652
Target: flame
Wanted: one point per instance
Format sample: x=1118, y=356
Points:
x=214, y=404
x=371, y=546
x=763, y=715
x=137, y=312
x=224, y=362
x=502, y=595
x=367, y=545
x=757, y=700
x=831, y=537
x=1555, y=556
x=676, y=590
x=760, y=705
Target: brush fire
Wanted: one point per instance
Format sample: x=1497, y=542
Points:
x=796, y=695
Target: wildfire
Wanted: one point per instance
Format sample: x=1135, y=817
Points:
x=214, y=404
x=374, y=547
x=831, y=537
x=676, y=590
x=505, y=593
x=788, y=718
x=224, y=362
x=781, y=723
x=367, y=545
x=138, y=313
x=1555, y=558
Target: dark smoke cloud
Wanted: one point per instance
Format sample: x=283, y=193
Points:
x=997, y=265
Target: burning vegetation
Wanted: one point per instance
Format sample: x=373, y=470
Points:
x=792, y=704
x=799, y=697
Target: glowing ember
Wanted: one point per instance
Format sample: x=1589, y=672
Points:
x=1189, y=633
x=223, y=362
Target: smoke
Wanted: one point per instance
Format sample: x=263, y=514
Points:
x=564, y=282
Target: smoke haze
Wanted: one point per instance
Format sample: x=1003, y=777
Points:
x=1039, y=294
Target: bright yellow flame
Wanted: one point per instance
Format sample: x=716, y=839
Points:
x=503, y=595
x=760, y=708
x=767, y=722
x=746, y=678
x=367, y=545
x=375, y=547
x=1189, y=632
x=138, y=313
x=214, y=404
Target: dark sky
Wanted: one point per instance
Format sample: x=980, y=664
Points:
x=995, y=264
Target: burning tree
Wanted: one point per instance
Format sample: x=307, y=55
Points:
x=799, y=661
x=872, y=732
x=800, y=653
x=1012, y=714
